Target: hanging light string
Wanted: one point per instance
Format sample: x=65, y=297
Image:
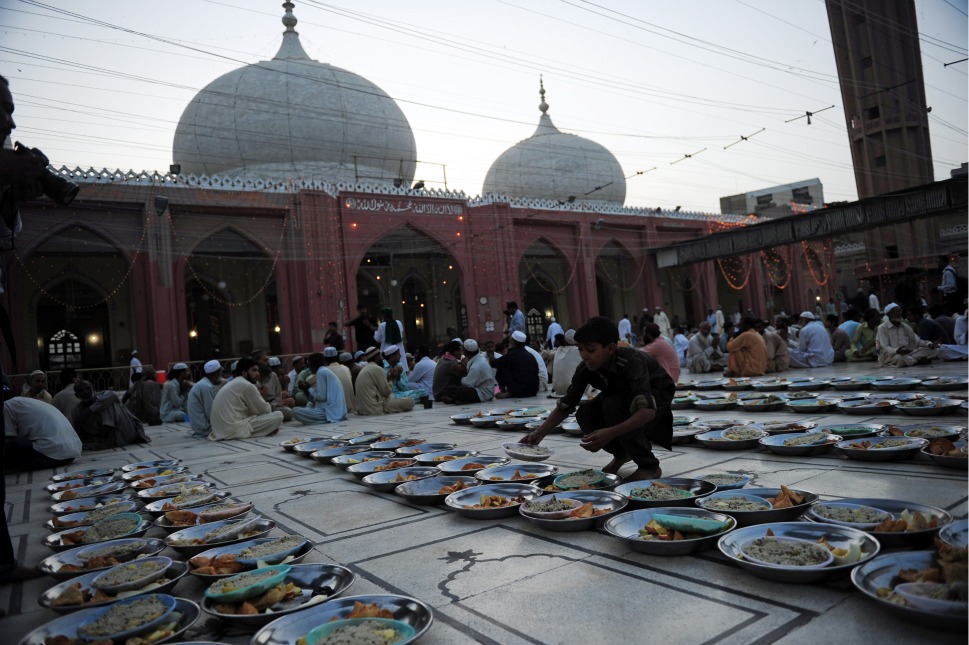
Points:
x=743, y=273
x=265, y=283
x=674, y=276
x=772, y=259
x=618, y=283
x=812, y=257
x=111, y=293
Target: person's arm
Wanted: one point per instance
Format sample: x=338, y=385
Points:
x=597, y=440
x=563, y=408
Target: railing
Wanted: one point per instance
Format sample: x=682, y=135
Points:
x=102, y=378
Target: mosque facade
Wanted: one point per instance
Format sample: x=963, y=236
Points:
x=292, y=203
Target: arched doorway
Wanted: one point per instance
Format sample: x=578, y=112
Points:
x=416, y=277
x=85, y=294
x=230, y=292
x=615, y=282
x=545, y=277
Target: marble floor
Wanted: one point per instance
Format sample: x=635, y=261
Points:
x=507, y=581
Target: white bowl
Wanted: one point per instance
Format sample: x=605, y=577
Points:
x=526, y=452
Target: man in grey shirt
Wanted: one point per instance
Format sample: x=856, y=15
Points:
x=478, y=386
x=200, y=399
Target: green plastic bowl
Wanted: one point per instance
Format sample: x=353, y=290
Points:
x=274, y=576
x=317, y=634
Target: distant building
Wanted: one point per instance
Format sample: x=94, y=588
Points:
x=777, y=201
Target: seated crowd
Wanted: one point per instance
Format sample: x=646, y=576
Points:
x=257, y=395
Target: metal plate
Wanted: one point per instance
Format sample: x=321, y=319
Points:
x=896, y=384
x=536, y=473
x=77, y=484
x=715, y=440
x=776, y=426
x=946, y=383
x=813, y=406
x=959, y=463
x=907, y=539
x=67, y=625
x=260, y=526
x=236, y=549
x=148, y=473
x=770, y=385
x=775, y=443
x=879, y=572
x=601, y=499
x=173, y=573
x=679, y=420
x=709, y=384
x=626, y=526
x=462, y=500
x=394, y=444
x=463, y=419
x=327, y=456
x=122, y=506
x=52, y=565
x=172, y=490
x=412, y=451
x=81, y=505
x=837, y=536
x=880, y=454
x=933, y=431
x=955, y=534
x=307, y=448
x=56, y=543
x=459, y=466
x=435, y=458
x=158, y=482
x=308, y=577
x=722, y=424
x=608, y=482
x=487, y=421
x=157, y=509
x=853, y=430
x=761, y=405
x=165, y=524
x=88, y=491
x=386, y=481
x=929, y=407
x=698, y=487
x=715, y=405
x=748, y=518
x=425, y=491
x=89, y=473
x=810, y=384
x=288, y=629
x=363, y=469
x=867, y=407
x=347, y=460
x=155, y=463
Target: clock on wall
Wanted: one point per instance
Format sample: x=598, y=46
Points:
x=483, y=300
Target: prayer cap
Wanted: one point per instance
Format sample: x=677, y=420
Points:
x=570, y=337
x=297, y=359
x=345, y=356
x=390, y=350
x=274, y=361
x=370, y=353
x=890, y=306
x=330, y=352
x=179, y=366
x=212, y=367
x=807, y=314
x=520, y=336
x=471, y=345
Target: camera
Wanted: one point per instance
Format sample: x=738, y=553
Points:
x=61, y=191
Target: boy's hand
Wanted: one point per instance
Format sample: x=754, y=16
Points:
x=532, y=438
x=597, y=440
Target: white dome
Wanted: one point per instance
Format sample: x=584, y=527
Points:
x=294, y=117
x=553, y=165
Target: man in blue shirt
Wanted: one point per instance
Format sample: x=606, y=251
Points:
x=813, y=344
x=516, y=319
x=200, y=397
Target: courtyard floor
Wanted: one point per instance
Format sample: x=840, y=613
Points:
x=507, y=581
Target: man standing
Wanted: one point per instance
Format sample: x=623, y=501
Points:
x=703, y=353
x=333, y=337
x=327, y=404
x=897, y=344
x=625, y=329
x=721, y=325
x=200, y=398
x=135, y=367
x=662, y=321
x=363, y=327
x=554, y=329
x=950, y=284
x=516, y=319
x=239, y=411
x=813, y=344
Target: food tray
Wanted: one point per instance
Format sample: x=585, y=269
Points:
x=626, y=526
x=461, y=500
x=908, y=539
x=173, y=573
x=386, y=481
x=51, y=566
x=602, y=499
x=748, y=518
x=837, y=536
x=880, y=454
x=259, y=527
x=425, y=491
x=879, y=573
x=699, y=488
x=238, y=548
x=775, y=443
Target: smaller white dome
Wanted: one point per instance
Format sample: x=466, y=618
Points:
x=554, y=165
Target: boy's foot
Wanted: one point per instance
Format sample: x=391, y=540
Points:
x=640, y=474
x=617, y=462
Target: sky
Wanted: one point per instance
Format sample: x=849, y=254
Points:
x=668, y=86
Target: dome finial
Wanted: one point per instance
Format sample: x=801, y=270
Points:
x=289, y=20
x=543, y=106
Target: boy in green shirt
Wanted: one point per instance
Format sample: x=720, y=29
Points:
x=632, y=408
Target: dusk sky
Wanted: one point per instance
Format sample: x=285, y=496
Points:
x=103, y=84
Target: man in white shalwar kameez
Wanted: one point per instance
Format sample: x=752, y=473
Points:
x=239, y=411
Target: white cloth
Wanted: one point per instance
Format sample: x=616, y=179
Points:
x=554, y=329
x=380, y=336
x=542, y=369
x=49, y=431
x=663, y=322
x=199, y=406
x=720, y=322
x=480, y=378
x=889, y=339
x=873, y=302
x=625, y=330
x=680, y=343
x=813, y=347
x=240, y=412
x=565, y=361
x=422, y=376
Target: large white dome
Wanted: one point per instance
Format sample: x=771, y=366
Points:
x=553, y=165
x=294, y=117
